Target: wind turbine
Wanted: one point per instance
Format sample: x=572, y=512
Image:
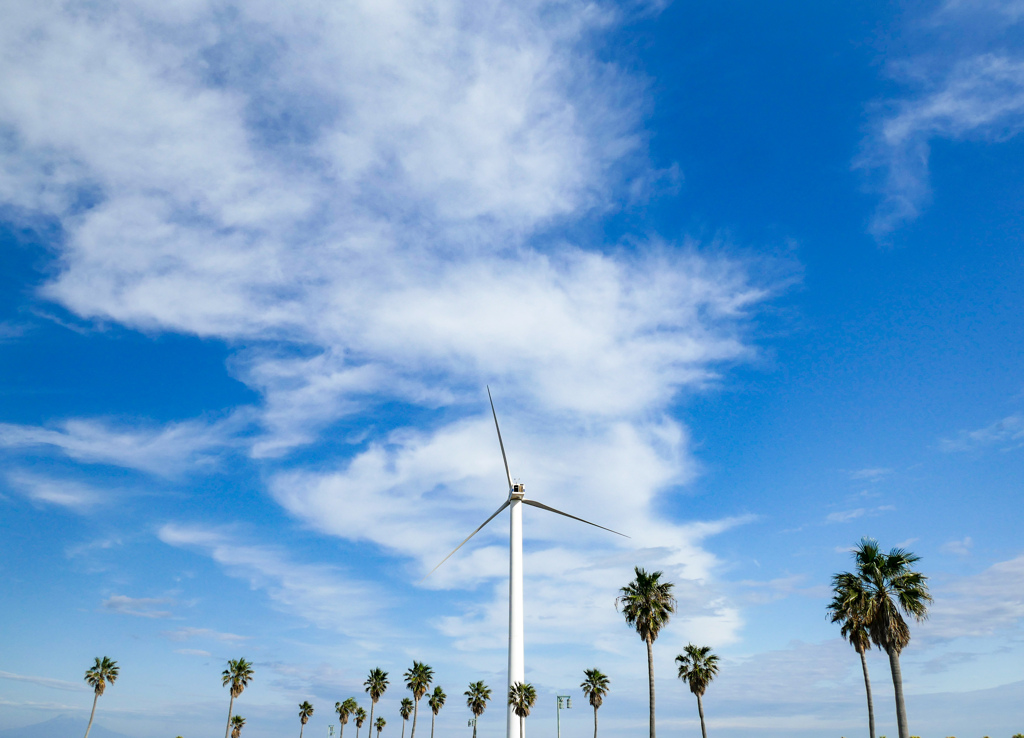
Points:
x=516, y=500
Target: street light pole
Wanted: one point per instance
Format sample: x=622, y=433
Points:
x=565, y=701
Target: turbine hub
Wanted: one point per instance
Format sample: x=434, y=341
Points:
x=518, y=491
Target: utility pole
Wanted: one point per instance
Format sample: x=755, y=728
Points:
x=565, y=701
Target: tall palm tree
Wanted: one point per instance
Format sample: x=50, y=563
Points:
x=476, y=700
x=595, y=687
x=647, y=603
x=848, y=607
x=238, y=674
x=376, y=685
x=98, y=676
x=522, y=697
x=379, y=725
x=405, y=710
x=344, y=710
x=436, y=702
x=697, y=667
x=360, y=715
x=889, y=586
x=305, y=713
x=237, y=723
x=418, y=679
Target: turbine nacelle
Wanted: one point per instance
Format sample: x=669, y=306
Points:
x=517, y=491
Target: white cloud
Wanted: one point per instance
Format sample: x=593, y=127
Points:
x=318, y=593
x=184, y=634
x=142, y=607
x=1007, y=433
x=960, y=548
x=980, y=97
x=871, y=474
x=60, y=492
x=984, y=604
x=165, y=450
x=192, y=652
x=44, y=682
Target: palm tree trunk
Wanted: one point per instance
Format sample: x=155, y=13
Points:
x=650, y=679
x=231, y=704
x=522, y=727
x=595, y=721
x=301, y=728
x=700, y=711
x=867, y=688
x=475, y=718
x=373, y=704
x=341, y=731
x=403, y=727
x=432, y=716
x=95, y=697
x=897, y=683
x=415, y=713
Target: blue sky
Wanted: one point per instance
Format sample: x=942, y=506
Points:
x=745, y=280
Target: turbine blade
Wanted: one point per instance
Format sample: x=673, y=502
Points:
x=506, y=504
x=500, y=442
x=542, y=506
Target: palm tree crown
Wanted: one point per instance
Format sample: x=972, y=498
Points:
x=345, y=709
x=889, y=585
x=237, y=723
x=381, y=722
x=305, y=712
x=437, y=699
x=647, y=603
x=360, y=715
x=418, y=679
x=522, y=697
x=405, y=708
x=697, y=667
x=595, y=686
x=105, y=671
x=238, y=674
x=477, y=697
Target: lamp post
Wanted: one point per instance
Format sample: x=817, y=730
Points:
x=565, y=701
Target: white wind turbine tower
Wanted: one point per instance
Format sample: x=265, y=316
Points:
x=516, y=500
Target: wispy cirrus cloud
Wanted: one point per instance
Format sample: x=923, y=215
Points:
x=67, y=493
x=184, y=634
x=141, y=607
x=1005, y=434
x=44, y=682
x=959, y=90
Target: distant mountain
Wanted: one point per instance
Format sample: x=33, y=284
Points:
x=62, y=726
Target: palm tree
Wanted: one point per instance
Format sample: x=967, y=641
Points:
x=376, y=685
x=476, y=700
x=436, y=702
x=697, y=667
x=522, y=696
x=418, y=679
x=889, y=586
x=103, y=672
x=344, y=709
x=237, y=723
x=381, y=722
x=405, y=710
x=848, y=606
x=595, y=687
x=647, y=603
x=360, y=715
x=238, y=674
x=305, y=713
